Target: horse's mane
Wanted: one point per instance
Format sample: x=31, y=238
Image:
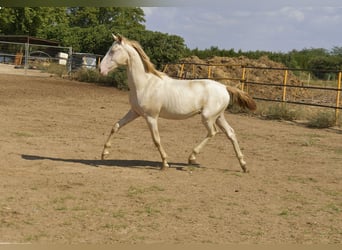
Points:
x=148, y=65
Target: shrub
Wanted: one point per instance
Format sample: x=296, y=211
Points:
x=323, y=119
x=116, y=78
x=236, y=109
x=281, y=112
x=119, y=78
x=54, y=68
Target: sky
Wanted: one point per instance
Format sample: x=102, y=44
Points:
x=250, y=25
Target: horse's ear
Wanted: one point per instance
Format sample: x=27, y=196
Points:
x=119, y=38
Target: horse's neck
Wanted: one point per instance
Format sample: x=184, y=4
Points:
x=137, y=77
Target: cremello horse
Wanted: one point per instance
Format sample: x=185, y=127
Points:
x=153, y=94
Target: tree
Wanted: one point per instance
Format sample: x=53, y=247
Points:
x=88, y=29
x=336, y=51
x=111, y=17
x=29, y=21
x=161, y=47
x=322, y=65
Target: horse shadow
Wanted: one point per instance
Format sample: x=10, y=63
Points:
x=109, y=163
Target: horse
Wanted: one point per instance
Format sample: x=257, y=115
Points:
x=153, y=94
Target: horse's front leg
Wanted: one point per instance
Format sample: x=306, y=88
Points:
x=130, y=116
x=153, y=126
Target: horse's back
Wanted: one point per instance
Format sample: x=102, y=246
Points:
x=185, y=98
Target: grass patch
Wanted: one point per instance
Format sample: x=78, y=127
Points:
x=79, y=208
x=333, y=208
x=286, y=213
x=60, y=202
x=22, y=134
x=338, y=150
x=118, y=214
x=61, y=208
x=328, y=192
x=115, y=227
x=150, y=211
x=134, y=191
x=302, y=180
x=311, y=140
x=36, y=237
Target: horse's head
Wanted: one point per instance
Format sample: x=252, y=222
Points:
x=116, y=56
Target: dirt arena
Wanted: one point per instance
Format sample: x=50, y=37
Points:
x=55, y=188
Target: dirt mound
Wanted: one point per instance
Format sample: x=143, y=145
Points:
x=229, y=70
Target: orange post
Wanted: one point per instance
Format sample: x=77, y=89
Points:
x=243, y=78
x=338, y=96
x=284, y=85
x=18, y=58
x=181, y=70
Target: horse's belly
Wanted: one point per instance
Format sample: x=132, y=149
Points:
x=178, y=114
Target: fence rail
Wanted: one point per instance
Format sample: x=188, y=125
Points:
x=281, y=85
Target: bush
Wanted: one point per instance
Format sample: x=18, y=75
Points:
x=323, y=119
x=117, y=78
x=281, y=112
x=236, y=109
x=54, y=68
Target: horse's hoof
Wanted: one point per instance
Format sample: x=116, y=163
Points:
x=193, y=163
x=104, y=155
x=244, y=169
x=164, y=167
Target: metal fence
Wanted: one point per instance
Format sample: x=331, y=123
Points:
x=285, y=85
x=34, y=56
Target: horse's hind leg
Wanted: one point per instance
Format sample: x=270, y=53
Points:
x=130, y=116
x=210, y=126
x=229, y=131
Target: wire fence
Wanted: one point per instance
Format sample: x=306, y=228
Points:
x=308, y=87
x=34, y=56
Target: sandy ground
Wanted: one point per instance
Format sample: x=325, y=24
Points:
x=9, y=69
x=54, y=187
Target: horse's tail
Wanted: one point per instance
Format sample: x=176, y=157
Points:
x=243, y=99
